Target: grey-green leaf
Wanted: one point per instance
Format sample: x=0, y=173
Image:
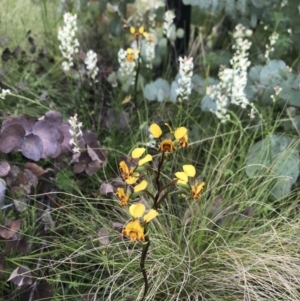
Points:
x=276, y=156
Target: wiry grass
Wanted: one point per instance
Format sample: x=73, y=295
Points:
x=221, y=250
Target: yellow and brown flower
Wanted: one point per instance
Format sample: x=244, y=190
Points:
x=197, y=189
x=168, y=145
x=121, y=195
x=133, y=229
x=127, y=173
x=137, y=33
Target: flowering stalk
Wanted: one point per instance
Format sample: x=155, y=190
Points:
x=128, y=62
x=68, y=41
x=169, y=28
x=91, y=65
x=186, y=66
x=149, y=46
x=232, y=80
x=75, y=133
x=133, y=173
x=270, y=48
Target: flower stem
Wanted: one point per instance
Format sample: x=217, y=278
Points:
x=142, y=264
x=161, y=161
x=135, y=82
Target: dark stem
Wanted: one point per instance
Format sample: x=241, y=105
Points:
x=161, y=161
x=142, y=264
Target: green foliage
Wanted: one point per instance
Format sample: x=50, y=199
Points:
x=278, y=156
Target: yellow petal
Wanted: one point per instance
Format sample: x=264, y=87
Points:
x=132, y=29
x=182, y=176
x=137, y=210
x=120, y=192
x=129, y=51
x=180, y=132
x=134, y=230
x=141, y=186
x=155, y=130
x=137, y=152
x=189, y=170
x=150, y=215
x=146, y=159
x=132, y=179
x=126, y=100
x=182, y=183
x=200, y=187
x=123, y=167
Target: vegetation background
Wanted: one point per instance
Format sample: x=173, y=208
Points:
x=61, y=222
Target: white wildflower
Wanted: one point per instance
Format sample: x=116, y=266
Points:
x=68, y=41
x=75, y=133
x=169, y=28
x=277, y=90
x=270, y=48
x=233, y=80
x=151, y=142
x=186, y=66
x=252, y=113
x=4, y=92
x=149, y=48
x=91, y=65
x=152, y=21
x=128, y=63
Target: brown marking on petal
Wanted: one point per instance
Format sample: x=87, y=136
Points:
x=166, y=146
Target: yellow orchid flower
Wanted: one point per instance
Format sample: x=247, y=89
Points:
x=121, y=195
x=127, y=174
x=197, y=189
x=138, y=32
x=189, y=171
x=133, y=229
x=167, y=145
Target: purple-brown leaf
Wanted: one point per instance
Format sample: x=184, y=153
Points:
x=25, y=121
x=103, y=235
x=21, y=276
x=10, y=229
x=106, y=188
x=93, y=167
x=49, y=136
x=32, y=147
x=11, y=138
x=35, y=169
x=4, y=168
x=54, y=117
